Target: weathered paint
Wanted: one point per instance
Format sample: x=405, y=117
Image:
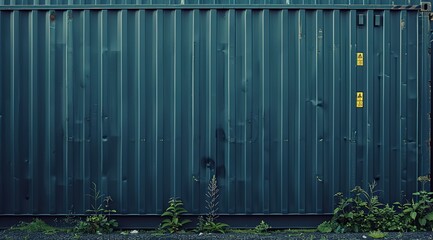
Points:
x=149, y=101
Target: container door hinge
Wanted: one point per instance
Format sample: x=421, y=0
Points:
x=425, y=6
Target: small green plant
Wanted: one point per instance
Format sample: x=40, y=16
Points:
x=98, y=199
x=37, y=225
x=204, y=225
x=262, y=227
x=209, y=224
x=417, y=214
x=99, y=221
x=173, y=223
x=327, y=227
x=377, y=234
x=96, y=224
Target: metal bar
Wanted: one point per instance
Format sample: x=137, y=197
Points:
x=431, y=106
x=214, y=6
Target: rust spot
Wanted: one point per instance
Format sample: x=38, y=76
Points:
x=52, y=17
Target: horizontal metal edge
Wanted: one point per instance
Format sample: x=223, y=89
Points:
x=213, y=6
x=277, y=221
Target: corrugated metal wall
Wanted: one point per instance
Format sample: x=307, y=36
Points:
x=149, y=103
x=231, y=2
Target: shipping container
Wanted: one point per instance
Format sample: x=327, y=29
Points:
x=286, y=101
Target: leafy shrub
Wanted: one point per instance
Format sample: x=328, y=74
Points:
x=362, y=213
x=365, y=213
x=386, y=219
x=418, y=215
x=356, y=214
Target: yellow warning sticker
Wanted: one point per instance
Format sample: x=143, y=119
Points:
x=360, y=59
x=359, y=99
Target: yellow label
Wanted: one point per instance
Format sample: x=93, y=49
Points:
x=359, y=99
x=360, y=59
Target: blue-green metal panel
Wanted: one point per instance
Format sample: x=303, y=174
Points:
x=209, y=2
x=150, y=102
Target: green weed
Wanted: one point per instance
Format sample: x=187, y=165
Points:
x=262, y=227
x=37, y=225
x=99, y=221
x=377, y=234
x=209, y=224
x=173, y=223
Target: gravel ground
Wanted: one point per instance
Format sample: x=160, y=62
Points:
x=9, y=235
